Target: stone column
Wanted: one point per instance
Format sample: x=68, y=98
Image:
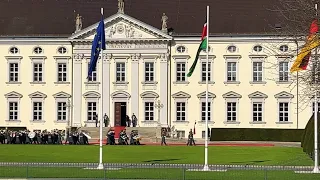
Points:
x=164, y=89
x=135, y=83
x=77, y=89
x=106, y=85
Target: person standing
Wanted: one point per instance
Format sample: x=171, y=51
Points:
x=134, y=120
x=163, y=137
x=190, y=139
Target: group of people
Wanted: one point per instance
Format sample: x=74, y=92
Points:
x=123, y=138
x=133, y=121
x=42, y=137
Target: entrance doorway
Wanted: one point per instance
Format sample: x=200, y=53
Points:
x=120, y=112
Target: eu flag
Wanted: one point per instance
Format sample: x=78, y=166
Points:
x=98, y=43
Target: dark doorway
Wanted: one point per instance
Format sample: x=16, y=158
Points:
x=120, y=112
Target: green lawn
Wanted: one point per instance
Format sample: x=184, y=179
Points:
x=155, y=154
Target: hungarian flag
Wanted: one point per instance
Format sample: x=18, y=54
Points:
x=203, y=46
x=303, y=57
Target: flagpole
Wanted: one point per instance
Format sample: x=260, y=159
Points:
x=100, y=166
x=206, y=167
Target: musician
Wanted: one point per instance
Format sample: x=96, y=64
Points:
x=190, y=139
x=163, y=137
x=110, y=137
x=123, y=138
x=2, y=137
x=134, y=138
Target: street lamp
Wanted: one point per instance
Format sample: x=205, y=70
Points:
x=159, y=106
x=69, y=105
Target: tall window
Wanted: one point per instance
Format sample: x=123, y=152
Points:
x=13, y=72
x=37, y=111
x=283, y=71
x=91, y=111
x=181, y=111
x=121, y=72
x=204, y=71
x=13, y=111
x=181, y=72
x=62, y=72
x=61, y=111
x=283, y=111
x=93, y=77
x=257, y=112
x=37, y=72
x=149, y=111
x=149, y=72
x=231, y=111
x=231, y=71
x=203, y=111
x=257, y=71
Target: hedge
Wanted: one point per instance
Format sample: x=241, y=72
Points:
x=307, y=141
x=255, y=134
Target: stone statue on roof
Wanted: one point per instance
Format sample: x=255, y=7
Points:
x=78, y=22
x=120, y=6
x=164, y=20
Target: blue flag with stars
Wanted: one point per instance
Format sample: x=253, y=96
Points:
x=98, y=43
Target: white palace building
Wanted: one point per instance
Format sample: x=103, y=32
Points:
x=45, y=83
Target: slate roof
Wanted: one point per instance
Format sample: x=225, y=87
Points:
x=57, y=17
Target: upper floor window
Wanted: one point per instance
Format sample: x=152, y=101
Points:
x=62, y=50
x=232, y=49
x=38, y=50
x=14, y=50
x=181, y=49
x=284, y=48
x=257, y=48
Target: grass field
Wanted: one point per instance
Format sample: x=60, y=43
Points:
x=155, y=154
x=286, y=156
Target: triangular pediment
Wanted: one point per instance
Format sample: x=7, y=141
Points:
x=122, y=26
x=37, y=94
x=231, y=94
x=257, y=94
x=61, y=94
x=149, y=94
x=284, y=94
x=181, y=94
x=13, y=94
x=203, y=95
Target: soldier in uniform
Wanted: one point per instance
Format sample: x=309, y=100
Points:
x=163, y=137
x=2, y=137
x=134, y=120
x=190, y=139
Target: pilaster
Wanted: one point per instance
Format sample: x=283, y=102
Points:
x=77, y=89
x=135, y=84
x=106, y=84
x=164, y=89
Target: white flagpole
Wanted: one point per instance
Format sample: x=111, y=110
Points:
x=100, y=166
x=206, y=167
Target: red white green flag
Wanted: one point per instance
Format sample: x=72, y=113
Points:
x=203, y=46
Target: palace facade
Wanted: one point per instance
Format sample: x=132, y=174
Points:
x=45, y=83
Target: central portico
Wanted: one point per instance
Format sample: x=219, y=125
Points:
x=135, y=65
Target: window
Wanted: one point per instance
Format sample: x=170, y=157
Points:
x=14, y=50
x=257, y=112
x=231, y=111
x=203, y=111
x=91, y=111
x=231, y=71
x=61, y=111
x=120, y=72
x=149, y=72
x=37, y=111
x=38, y=50
x=13, y=72
x=62, y=50
x=181, y=49
x=181, y=111
x=315, y=72
x=257, y=71
x=181, y=72
x=283, y=71
x=283, y=112
x=284, y=48
x=37, y=72
x=232, y=49
x=62, y=72
x=149, y=111
x=93, y=77
x=257, y=48
x=13, y=111
x=313, y=107
x=204, y=71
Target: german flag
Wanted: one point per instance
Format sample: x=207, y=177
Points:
x=301, y=63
